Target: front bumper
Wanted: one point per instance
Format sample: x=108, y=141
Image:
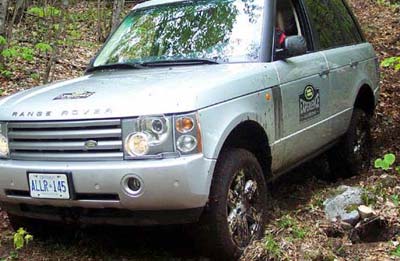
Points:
x=168, y=185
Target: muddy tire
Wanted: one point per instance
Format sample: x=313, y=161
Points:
x=236, y=213
x=353, y=152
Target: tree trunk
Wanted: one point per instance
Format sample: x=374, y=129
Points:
x=17, y=8
x=116, y=16
x=100, y=22
x=55, y=46
x=3, y=18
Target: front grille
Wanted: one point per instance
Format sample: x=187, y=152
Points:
x=66, y=140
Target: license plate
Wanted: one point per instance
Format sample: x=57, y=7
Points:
x=49, y=186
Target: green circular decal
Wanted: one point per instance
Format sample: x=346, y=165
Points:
x=309, y=93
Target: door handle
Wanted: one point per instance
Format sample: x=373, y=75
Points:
x=354, y=65
x=324, y=74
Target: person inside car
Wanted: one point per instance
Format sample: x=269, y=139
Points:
x=285, y=23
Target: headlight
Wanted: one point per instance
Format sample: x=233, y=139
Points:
x=148, y=137
x=188, y=135
x=161, y=136
x=156, y=129
x=184, y=124
x=186, y=143
x=4, y=149
x=137, y=144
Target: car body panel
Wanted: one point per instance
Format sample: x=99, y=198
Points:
x=351, y=67
x=295, y=75
x=172, y=179
x=131, y=93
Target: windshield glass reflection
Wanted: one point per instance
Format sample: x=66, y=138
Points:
x=220, y=30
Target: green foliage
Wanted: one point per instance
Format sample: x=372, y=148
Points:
x=6, y=73
x=351, y=208
x=396, y=252
x=299, y=232
x=43, y=47
x=26, y=53
x=3, y=40
x=388, y=3
x=385, y=163
x=47, y=11
x=289, y=223
x=13, y=52
x=35, y=76
x=392, y=62
x=22, y=238
x=369, y=197
x=272, y=247
x=286, y=222
x=10, y=52
x=396, y=200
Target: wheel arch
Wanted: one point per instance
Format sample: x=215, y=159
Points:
x=365, y=99
x=250, y=135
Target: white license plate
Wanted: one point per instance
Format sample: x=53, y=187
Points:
x=49, y=186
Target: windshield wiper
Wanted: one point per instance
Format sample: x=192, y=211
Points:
x=180, y=62
x=121, y=66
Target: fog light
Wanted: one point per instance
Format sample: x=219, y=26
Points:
x=132, y=185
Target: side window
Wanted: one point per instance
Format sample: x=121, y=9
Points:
x=333, y=24
x=351, y=34
x=289, y=22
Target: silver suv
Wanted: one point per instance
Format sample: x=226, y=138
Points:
x=187, y=112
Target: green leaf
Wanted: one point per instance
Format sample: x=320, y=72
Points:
x=43, y=47
x=10, y=52
x=385, y=163
x=35, y=10
x=378, y=163
x=6, y=73
x=3, y=40
x=396, y=252
x=18, y=239
x=390, y=159
x=391, y=62
x=28, y=238
x=395, y=200
x=388, y=62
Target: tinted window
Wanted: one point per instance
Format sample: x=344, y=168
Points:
x=333, y=24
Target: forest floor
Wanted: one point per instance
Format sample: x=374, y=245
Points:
x=297, y=230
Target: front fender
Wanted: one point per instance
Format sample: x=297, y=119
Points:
x=218, y=121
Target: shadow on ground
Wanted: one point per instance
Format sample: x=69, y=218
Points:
x=291, y=191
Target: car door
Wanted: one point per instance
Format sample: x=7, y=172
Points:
x=343, y=46
x=304, y=89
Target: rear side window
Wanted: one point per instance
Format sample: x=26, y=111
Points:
x=333, y=24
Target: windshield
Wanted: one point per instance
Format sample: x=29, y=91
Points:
x=220, y=30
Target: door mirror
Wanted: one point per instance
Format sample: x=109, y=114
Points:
x=295, y=45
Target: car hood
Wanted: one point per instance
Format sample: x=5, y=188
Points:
x=128, y=93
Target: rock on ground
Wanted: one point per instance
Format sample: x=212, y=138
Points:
x=337, y=207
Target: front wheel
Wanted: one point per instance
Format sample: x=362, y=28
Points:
x=353, y=153
x=237, y=209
